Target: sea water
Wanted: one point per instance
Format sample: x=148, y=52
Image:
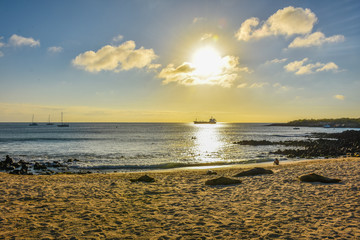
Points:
x=144, y=146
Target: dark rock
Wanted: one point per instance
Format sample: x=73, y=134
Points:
x=16, y=172
x=211, y=172
x=16, y=165
x=39, y=166
x=318, y=178
x=144, y=178
x=9, y=168
x=8, y=160
x=222, y=181
x=72, y=160
x=55, y=164
x=22, y=171
x=253, y=172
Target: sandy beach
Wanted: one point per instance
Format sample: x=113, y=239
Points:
x=178, y=205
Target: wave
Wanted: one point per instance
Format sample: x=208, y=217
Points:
x=4, y=140
x=169, y=165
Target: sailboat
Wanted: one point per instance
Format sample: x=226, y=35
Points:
x=32, y=122
x=62, y=122
x=49, y=123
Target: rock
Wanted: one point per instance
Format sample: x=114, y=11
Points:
x=211, y=172
x=318, y=178
x=55, y=164
x=9, y=160
x=222, y=181
x=253, y=172
x=144, y=178
x=39, y=166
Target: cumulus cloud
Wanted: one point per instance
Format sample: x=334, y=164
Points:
x=300, y=68
x=115, y=58
x=315, y=39
x=287, y=21
x=118, y=38
x=327, y=67
x=18, y=41
x=339, y=97
x=187, y=73
x=55, y=49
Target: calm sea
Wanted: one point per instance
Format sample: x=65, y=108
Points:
x=144, y=146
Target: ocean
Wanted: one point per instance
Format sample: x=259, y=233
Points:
x=145, y=146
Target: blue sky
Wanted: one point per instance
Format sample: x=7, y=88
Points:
x=241, y=61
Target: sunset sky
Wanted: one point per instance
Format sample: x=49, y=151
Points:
x=174, y=61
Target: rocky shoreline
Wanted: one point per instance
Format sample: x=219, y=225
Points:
x=325, y=145
x=328, y=123
x=22, y=167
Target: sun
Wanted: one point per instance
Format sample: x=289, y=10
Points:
x=207, y=61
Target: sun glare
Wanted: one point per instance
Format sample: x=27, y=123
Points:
x=207, y=61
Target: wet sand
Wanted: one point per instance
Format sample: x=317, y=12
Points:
x=178, y=205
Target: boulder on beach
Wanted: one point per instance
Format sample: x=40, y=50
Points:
x=211, y=172
x=144, y=178
x=222, y=181
x=253, y=172
x=8, y=164
x=318, y=178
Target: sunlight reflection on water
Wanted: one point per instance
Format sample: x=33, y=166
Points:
x=208, y=142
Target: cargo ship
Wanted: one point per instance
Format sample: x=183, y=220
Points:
x=211, y=121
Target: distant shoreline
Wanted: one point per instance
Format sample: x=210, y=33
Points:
x=327, y=123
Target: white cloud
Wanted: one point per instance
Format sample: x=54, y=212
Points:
x=115, y=58
x=275, y=61
x=315, y=39
x=242, y=85
x=281, y=87
x=154, y=66
x=118, y=38
x=17, y=41
x=55, y=49
x=327, y=67
x=258, y=85
x=187, y=73
x=300, y=68
x=339, y=97
x=287, y=21
x=1, y=54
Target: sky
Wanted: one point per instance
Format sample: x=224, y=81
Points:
x=177, y=61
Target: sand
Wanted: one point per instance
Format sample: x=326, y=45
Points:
x=178, y=205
